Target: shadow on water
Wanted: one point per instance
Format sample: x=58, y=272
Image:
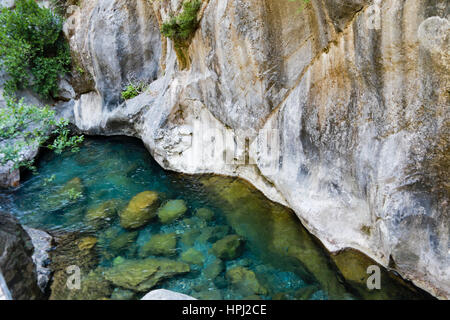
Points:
x=226, y=240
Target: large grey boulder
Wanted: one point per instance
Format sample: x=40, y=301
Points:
x=16, y=263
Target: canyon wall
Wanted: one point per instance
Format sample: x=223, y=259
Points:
x=354, y=95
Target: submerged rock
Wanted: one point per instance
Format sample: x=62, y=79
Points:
x=121, y=294
x=160, y=245
x=68, y=194
x=172, y=210
x=188, y=238
x=212, y=234
x=101, y=215
x=245, y=281
x=87, y=243
x=140, y=210
x=93, y=286
x=205, y=214
x=306, y=292
x=228, y=248
x=142, y=275
x=213, y=269
x=193, y=256
x=123, y=241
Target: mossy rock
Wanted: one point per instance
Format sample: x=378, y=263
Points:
x=172, y=210
x=87, y=243
x=205, y=214
x=245, y=281
x=212, y=234
x=123, y=242
x=140, y=210
x=228, y=248
x=193, y=256
x=208, y=295
x=142, y=275
x=102, y=214
x=69, y=194
x=306, y=292
x=121, y=294
x=160, y=245
x=188, y=238
x=92, y=287
x=214, y=269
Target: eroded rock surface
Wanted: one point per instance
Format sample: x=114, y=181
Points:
x=16, y=264
x=354, y=93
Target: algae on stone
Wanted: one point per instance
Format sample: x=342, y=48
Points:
x=123, y=241
x=205, y=214
x=212, y=234
x=68, y=194
x=92, y=287
x=212, y=270
x=160, y=245
x=245, y=281
x=101, y=215
x=172, y=210
x=193, y=256
x=188, y=238
x=228, y=248
x=140, y=210
x=87, y=243
x=142, y=275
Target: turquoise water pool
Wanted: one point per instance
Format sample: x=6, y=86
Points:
x=222, y=239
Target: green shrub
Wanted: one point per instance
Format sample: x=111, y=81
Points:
x=181, y=27
x=133, y=89
x=23, y=126
x=32, y=48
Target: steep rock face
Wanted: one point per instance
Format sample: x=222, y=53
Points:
x=16, y=264
x=113, y=43
x=354, y=93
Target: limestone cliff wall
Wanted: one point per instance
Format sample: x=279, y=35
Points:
x=354, y=94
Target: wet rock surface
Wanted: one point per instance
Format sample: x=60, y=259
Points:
x=16, y=262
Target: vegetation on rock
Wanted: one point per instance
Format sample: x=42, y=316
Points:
x=24, y=126
x=180, y=29
x=33, y=51
x=133, y=89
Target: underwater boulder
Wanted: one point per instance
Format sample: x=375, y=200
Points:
x=193, y=256
x=245, y=281
x=205, y=214
x=121, y=294
x=160, y=245
x=123, y=241
x=188, y=238
x=213, y=270
x=228, y=248
x=92, y=287
x=69, y=194
x=87, y=243
x=172, y=210
x=212, y=234
x=140, y=210
x=142, y=275
x=102, y=214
